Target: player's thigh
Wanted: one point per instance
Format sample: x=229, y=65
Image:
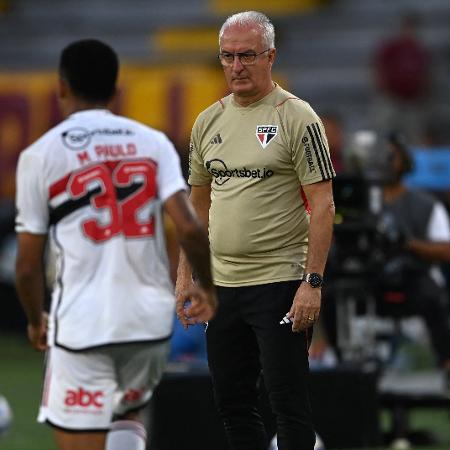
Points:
x=78, y=393
x=139, y=368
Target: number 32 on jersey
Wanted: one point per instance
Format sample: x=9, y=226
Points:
x=122, y=189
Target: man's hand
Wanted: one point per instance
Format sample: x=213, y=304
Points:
x=195, y=305
x=305, y=308
x=37, y=334
x=183, y=285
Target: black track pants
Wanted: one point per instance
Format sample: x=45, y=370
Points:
x=244, y=337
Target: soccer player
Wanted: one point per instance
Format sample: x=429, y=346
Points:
x=97, y=183
x=258, y=158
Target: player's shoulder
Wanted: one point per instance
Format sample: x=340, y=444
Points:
x=47, y=142
x=213, y=111
x=286, y=102
x=419, y=195
x=140, y=128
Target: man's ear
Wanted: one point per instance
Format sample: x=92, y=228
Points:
x=63, y=88
x=272, y=55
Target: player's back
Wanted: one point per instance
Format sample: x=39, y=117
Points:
x=102, y=181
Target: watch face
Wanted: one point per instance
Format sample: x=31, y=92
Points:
x=315, y=280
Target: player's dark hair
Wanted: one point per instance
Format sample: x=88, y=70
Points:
x=91, y=68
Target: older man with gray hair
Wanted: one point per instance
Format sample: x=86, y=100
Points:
x=260, y=175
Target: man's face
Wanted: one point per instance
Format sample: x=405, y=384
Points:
x=395, y=170
x=252, y=81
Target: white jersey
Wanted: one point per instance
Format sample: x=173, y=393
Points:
x=97, y=181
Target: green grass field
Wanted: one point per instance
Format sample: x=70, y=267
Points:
x=20, y=381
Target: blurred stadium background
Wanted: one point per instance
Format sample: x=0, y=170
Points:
x=169, y=74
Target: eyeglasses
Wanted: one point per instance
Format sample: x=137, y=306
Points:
x=246, y=59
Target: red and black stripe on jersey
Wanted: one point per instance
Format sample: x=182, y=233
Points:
x=322, y=156
x=57, y=213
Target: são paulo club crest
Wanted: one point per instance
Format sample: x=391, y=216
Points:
x=266, y=133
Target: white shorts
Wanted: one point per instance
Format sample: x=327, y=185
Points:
x=83, y=390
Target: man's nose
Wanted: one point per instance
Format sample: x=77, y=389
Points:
x=237, y=64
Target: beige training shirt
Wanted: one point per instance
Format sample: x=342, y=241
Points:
x=256, y=159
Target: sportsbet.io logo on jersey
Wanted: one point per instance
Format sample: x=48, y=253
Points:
x=221, y=173
x=265, y=134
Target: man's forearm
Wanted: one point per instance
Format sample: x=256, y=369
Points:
x=196, y=252
x=319, y=238
x=30, y=289
x=30, y=282
x=195, y=247
x=430, y=251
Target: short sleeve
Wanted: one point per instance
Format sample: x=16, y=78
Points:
x=32, y=213
x=198, y=175
x=439, y=224
x=310, y=152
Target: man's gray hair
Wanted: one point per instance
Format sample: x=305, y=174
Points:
x=248, y=18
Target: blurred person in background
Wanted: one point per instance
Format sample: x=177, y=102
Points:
x=402, y=66
x=97, y=185
x=412, y=281
x=258, y=160
x=402, y=266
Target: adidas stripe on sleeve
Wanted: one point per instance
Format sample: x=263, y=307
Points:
x=320, y=150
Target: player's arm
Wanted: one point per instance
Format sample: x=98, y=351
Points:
x=436, y=248
x=320, y=199
x=30, y=282
x=200, y=198
x=429, y=251
x=307, y=300
x=194, y=242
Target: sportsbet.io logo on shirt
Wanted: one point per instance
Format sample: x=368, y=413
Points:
x=221, y=173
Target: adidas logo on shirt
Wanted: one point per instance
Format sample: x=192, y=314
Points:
x=216, y=139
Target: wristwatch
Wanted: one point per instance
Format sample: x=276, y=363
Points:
x=314, y=279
